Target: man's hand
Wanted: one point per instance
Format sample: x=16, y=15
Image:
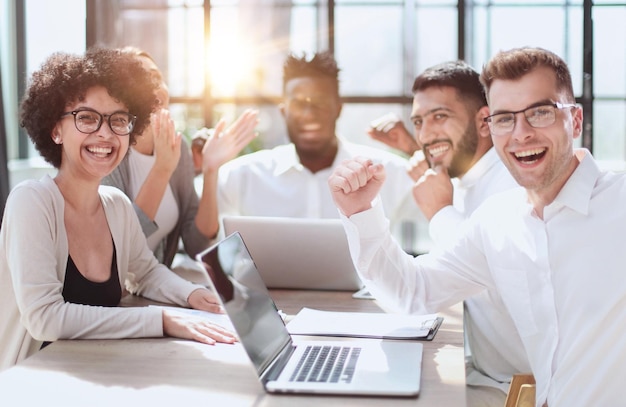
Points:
x=433, y=191
x=417, y=165
x=355, y=183
x=395, y=135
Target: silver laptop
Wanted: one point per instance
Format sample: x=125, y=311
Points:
x=298, y=253
x=345, y=366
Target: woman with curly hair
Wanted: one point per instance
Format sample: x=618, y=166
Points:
x=69, y=247
x=158, y=176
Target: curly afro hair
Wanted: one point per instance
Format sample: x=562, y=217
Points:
x=64, y=79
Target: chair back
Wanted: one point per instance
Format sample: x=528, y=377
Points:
x=522, y=391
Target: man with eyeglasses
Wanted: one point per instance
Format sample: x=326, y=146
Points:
x=543, y=114
x=449, y=107
x=290, y=180
x=552, y=249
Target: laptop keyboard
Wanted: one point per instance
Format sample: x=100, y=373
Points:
x=331, y=364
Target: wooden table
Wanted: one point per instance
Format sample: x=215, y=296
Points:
x=171, y=372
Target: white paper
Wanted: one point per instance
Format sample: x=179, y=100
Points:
x=361, y=324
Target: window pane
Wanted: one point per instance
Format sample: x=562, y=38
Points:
x=44, y=36
x=609, y=132
x=356, y=117
x=554, y=28
x=303, y=31
x=609, y=69
x=224, y=69
x=529, y=2
x=437, y=31
x=574, y=47
x=377, y=2
x=437, y=2
x=219, y=3
x=248, y=45
x=173, y=3
x=148, y=30
x=185, y=73
x=369, y=50
x=187, y=118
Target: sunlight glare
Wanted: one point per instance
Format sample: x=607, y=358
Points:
x=231, y=65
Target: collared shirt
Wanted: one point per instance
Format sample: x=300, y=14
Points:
x=562, y=278
x=273, y=182
x=495, y=348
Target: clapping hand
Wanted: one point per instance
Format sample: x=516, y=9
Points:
x=166, y=141
x=225, y=143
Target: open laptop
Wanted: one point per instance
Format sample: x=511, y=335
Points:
x=298, y=253
x=344, y=366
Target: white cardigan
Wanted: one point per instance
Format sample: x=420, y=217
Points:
x=33, y=259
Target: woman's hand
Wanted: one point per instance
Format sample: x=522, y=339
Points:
x=224, y=144
x=205, y=300
x=179, y=325
x=166, y=141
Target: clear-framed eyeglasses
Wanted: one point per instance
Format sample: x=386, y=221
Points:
x=88, y=121
x=544, y=115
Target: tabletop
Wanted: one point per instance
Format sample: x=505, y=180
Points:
x=168, y=371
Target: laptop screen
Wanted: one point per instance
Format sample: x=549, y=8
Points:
x=300, y=253
x=246, y=300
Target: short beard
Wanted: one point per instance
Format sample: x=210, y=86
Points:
x=464, y=155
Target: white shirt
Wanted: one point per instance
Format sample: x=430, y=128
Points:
x=495, y=348
x=275, y=183
x=561, y=278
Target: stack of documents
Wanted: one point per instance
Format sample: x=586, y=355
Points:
x=363, y=324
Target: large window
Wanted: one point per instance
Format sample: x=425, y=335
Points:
x=222, y=56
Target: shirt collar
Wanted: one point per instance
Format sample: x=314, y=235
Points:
x=342, y=152
x=577, y=191
x=482, y=166
x=287, y=157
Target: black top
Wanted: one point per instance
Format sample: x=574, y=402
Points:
x=79, y=290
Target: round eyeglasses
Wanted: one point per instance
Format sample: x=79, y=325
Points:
x=88, y=121
x=540, y=116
